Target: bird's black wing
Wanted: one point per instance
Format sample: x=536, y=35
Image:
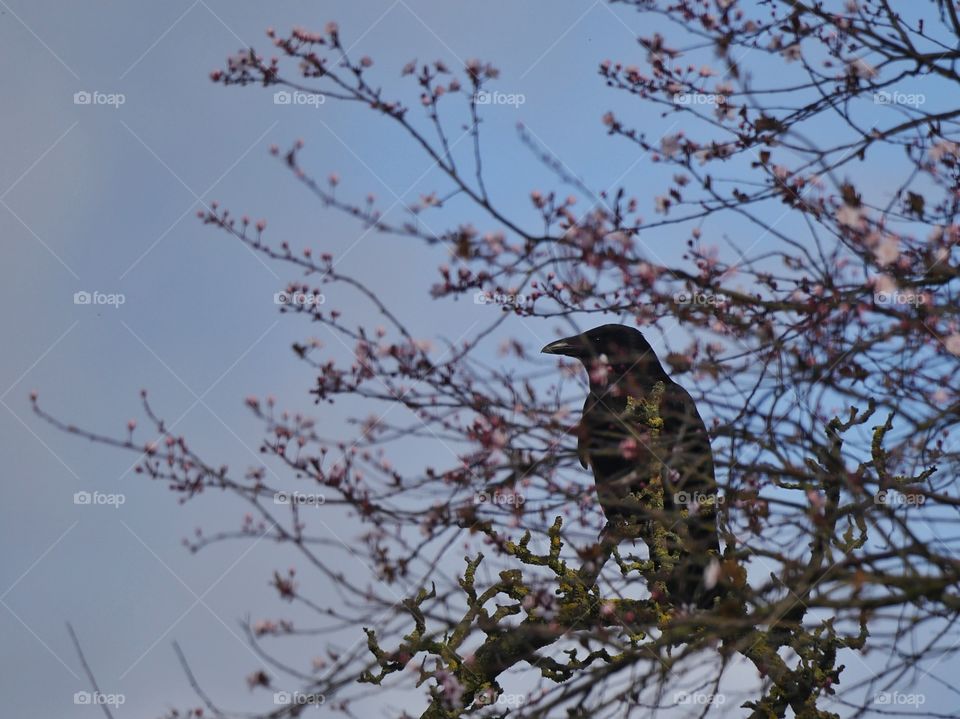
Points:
x=687, y=443
x=690, y=488
x=602, y=429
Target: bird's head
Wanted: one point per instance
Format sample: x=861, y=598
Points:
x=621, y=348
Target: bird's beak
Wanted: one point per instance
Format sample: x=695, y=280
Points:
x=568, y=346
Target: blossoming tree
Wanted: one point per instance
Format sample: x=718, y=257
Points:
x=824, y=355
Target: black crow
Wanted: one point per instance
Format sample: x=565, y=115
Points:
x=642, y=436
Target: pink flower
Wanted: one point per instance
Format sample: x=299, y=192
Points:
x=863, y=69
x=599, y=371
x=451, y=690
x=630, y=448
x=943, y=149
x=791, y=53
x=711, y=575
x=884, y=283
x=850, y=216
x=816, y=499
x=887, y=250
x=670, y=145
x=952, y=343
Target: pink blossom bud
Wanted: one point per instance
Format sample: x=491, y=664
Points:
x=629, y=448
